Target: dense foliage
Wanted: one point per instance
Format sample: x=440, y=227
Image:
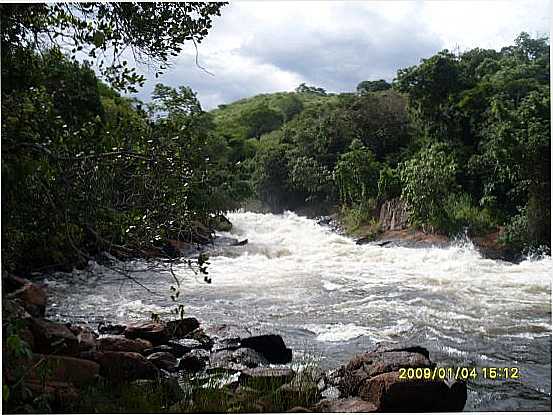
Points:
x=87, y=170
x=463, y=139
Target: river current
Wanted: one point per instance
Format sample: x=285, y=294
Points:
x=330, y=299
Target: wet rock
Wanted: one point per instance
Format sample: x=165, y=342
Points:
x=53, y=338
x=163, y=360
x=390, y=394
x=156, y=333
x=240, y=243
x=200, y=336
x=33, y=297
x=125, y=366
x=229, y=343
x=156, y=349
x=182, y=346
x=220, y=223
x=85, y=337
x=332, y=392
x=122, y=344
x=271, y=346
x=193, y=361
x=115, y=329
x=266, y=376
x=351, y=405
x=237, y=360
x=180, y=328
x=52, y=368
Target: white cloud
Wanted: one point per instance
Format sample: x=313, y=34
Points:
x=258, y=47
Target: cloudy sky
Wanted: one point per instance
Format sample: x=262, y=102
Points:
x=259, y=47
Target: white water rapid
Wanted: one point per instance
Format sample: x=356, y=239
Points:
x=331, y=299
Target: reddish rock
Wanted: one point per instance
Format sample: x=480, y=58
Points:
x=351, y=405
x=53, y=338
x=156, y=333
x=122, y=344
x=86, y=338
x=125, y=366
x=52, y=368
x=32, y=296
x=180, y=328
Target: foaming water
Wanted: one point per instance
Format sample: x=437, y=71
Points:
x=330, y=297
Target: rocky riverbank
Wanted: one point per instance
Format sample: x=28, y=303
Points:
x=179, y=365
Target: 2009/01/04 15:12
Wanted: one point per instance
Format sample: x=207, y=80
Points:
x=462, y=373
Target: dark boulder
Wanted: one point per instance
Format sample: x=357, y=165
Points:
x=374, y=377
x=271, y=346
x=391, y=394
x=194, y=361
x=163, y=360
x=125, y=366
x=115, y=329
x=236, y=360
x=52, y=368
x=53, y=338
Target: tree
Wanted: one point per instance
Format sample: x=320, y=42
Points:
x=306, y=89
x=261, y=120
x=356, y=175
x=427, y=179
x=366, y=87
x=109, y=32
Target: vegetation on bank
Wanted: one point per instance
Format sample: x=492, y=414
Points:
x=463, y=139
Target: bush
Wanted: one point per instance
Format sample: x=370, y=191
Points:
x=461, y=215
x=428, y=178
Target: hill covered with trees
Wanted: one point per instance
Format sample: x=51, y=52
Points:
x=462, y=139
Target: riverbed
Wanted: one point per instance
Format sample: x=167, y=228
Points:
x=330, y=299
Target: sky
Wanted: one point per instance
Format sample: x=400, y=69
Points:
x=258, y=47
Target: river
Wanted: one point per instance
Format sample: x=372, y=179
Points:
x=331, y=299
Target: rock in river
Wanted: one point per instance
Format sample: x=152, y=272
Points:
x=271, y=346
